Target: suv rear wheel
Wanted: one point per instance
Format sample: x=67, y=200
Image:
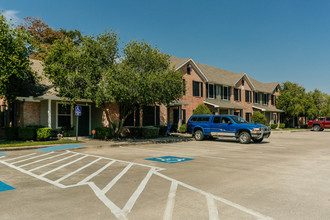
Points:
x=317, y=128
x=244, y=137
x=199, y=136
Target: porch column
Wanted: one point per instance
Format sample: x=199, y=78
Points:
x=270, y=117
x=228, y=111
x=180, y=117
x=49, y=113
x=278, y=119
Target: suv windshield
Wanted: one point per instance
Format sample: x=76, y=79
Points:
x=238, y=120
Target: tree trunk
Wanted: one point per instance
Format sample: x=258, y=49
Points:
x=107, y=116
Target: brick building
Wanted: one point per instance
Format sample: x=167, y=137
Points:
x=224, y=92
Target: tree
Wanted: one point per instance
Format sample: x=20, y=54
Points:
x=143, y=78
x=44, y=36
x=258, y=117
x=202, y=109
x=89, y=70
x=77, y=72
x=14, y=60
x=292, y=100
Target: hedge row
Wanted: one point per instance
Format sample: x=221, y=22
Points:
x=30, y=133
x=135, y=132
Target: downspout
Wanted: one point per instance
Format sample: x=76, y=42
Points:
x=22, y=120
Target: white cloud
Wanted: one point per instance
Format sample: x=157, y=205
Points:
x=11, y=16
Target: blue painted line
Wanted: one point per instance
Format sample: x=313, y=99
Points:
x=169, y=159
x=61, y=147
x=1, y=153
x=5, y=187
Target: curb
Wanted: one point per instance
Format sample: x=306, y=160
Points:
x=103, y=145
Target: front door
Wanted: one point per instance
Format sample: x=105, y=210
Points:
x=84, y=121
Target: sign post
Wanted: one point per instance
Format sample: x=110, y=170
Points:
x=78, y=112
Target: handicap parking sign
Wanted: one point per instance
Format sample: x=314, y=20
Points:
x=78, y=110
x=169, y=159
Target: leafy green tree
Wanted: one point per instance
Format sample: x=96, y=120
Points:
x=202, y=109
x=143, y=78
x=258, y=117
x=14, y=60
x=292, y=100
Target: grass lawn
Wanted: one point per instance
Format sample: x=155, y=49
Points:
x=34, y=143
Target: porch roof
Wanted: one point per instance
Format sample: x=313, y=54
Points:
x=266, y=108
x=223, y=104
x=177, y=103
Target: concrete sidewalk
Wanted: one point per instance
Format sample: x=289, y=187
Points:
x=88, y=141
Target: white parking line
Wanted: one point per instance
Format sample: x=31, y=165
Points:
x=76, y=171
x=64, y=165
x=2, y=156
x=171, y=201
x=42, y=155
x=115, y=180
x=122, y=213
x=213, y=209
x=47, y=158
x=174, y=153
x=132, y=200
x=96, y=173
x=19, y=157
x=57, y=161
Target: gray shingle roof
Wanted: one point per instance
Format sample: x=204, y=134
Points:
x=224, y=77
x=223, y=104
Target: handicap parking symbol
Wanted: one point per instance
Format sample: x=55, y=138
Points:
x=169, y=159
x=78, y=110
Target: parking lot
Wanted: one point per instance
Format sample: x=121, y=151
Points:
x=285, y=177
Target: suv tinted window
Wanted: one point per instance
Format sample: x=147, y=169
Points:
x=217, y=119
x=225, y=120
x=200, y=119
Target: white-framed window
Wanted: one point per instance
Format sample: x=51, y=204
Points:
x=225, y=92
x=63, y=115
x=211, y=90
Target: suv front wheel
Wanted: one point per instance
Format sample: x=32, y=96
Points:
x=244, y=137
x=199, y=136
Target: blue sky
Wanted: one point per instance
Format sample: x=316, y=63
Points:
x=271, y=41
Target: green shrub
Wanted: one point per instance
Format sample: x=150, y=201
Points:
x=267, y=125
x=202, y=109
x=162, y=130
x=103, y=133
x=27, y=133
x=282, y=125
x=150, y=132
x=183, y=128
x=304, y=126
x=55, y=132
x=44, y=134
x=11, y=133
x=273, y=126
x=258, y=117
x=135, y=132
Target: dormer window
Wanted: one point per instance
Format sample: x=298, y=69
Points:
x=188, y=68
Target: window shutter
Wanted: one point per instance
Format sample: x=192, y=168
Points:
x=240, y=95
x=221, y=92
x=201, y=89
x=207, y=90
x=215, y=91
x=229, y=93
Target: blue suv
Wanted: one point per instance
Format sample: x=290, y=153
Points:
x=201, y=126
